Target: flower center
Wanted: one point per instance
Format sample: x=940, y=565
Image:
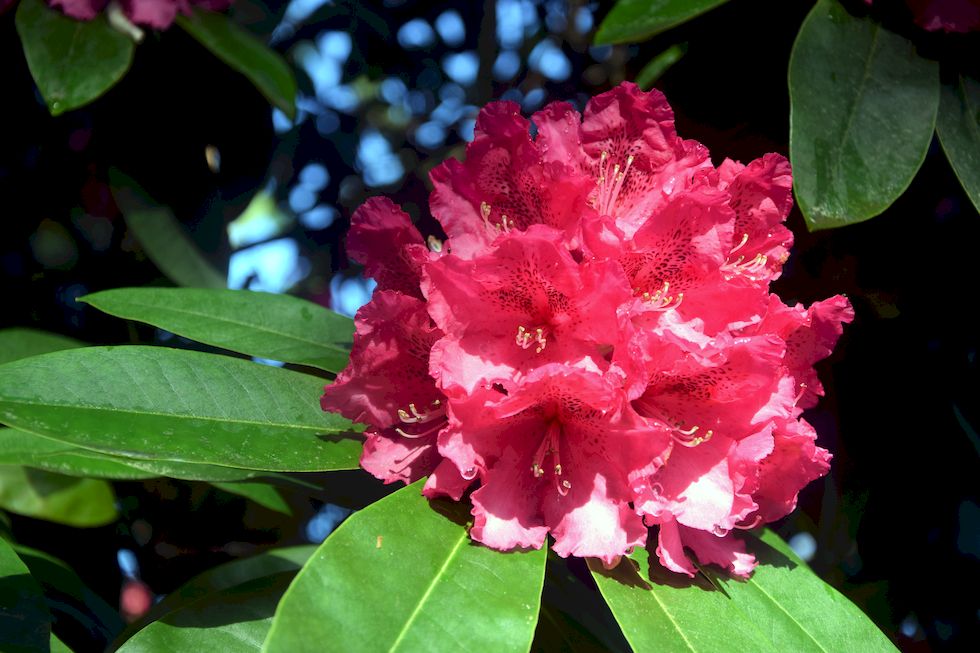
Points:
x=660, y=300
x=549, y=447
x=610, y=182
x=505, y=224
x=527, y=338
x=740, y=266
x=436, y=413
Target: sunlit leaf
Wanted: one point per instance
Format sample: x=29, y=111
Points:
x=798, y=610
x=162, y=237
x=231, y=621
x=20, y=343
x=25, y=624
x=82, y=502
x=277, y=327
x=862, y=112
x=657, y=66
x=263, y=494
x=408, y=561
x=630, y=21
x=27, y=449
x=72, y=61
x=657, y=615
x=19, y=447
x=159, y=403
x=245, y=53
x=783, y=606
x=959, y=131
x=58, y=646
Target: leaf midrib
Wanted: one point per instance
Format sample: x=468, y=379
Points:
x=753, y=583
x=225, y=320
x=463, y=536
x=852, y=109
x=151, y=413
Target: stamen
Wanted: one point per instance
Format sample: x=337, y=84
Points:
x=755, y=522
x=740, y=266
x=741, y=244
x=687, y=437
x=608, y=186
x=661, y=301
x=435, y=245
x=429, y=431
x=799, y=396
x=436, y=413
x=525, y=338
x=549, y=447
x=505, y=224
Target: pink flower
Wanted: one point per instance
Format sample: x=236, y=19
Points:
x=947, y=15
x=594, y=349
x=158, y=14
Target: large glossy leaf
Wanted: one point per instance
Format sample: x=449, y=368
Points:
x=21, y=343
x=159, y=403
x=29, y=450
x=783, y=607
x=278, y=327
x=862, y=112
x=19, y=447
x=630, y=21
x=402, y=576
x=245, y=53
x=959, y=131
x=162, y=237
x=72, y=61
x=657, y=612
x=25, y=625
x=82, y=502
x=69, y=599
x=231, y=621
x=796, y=608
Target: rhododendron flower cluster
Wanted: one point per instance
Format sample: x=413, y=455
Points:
x=158, y=14
x=593, y=348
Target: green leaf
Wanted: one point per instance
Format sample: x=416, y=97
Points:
x=231, y=621
x=959, y=132
x=278, y=327
x=243, y=52
x=862, y=111
x=81, y=502
x=231, y=574
x=263, y=494
x=159, y=403
x=22, y=448
x=19, y=447
x=630, y=21
x=657, y=66
x=796, y=608
x=656, y=611
x=21, y=343
x=401, y=575
x=162, y=237
x=69, y=598
x=783, y=606
x=58, y=646
x=72, y=61
x=25, y=625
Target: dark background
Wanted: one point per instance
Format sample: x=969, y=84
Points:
x=896, y=522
